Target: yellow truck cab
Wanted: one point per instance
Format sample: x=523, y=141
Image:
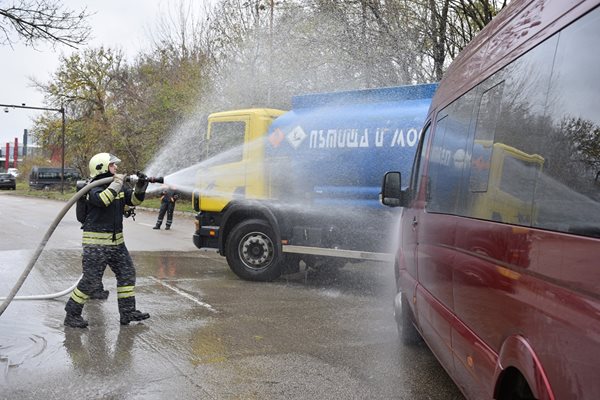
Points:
x=235, y=146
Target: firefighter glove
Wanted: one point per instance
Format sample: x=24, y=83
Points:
x=141, y=185
x=117, y=183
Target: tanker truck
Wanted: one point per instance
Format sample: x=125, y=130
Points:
x=281, y=188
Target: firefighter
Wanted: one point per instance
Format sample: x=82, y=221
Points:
x=167, y=206
x=103, y=242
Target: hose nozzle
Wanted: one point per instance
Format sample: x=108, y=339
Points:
x=155, y=179
x=140, y=177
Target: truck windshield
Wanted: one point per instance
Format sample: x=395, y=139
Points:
x=226, y=137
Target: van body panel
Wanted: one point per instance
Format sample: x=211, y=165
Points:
x=436, y=322
x=521, y=26
x=516, y=352
x=501, y=229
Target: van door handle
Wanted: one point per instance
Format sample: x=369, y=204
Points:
x=415, y=222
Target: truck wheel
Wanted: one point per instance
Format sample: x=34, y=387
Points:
x=252, y=252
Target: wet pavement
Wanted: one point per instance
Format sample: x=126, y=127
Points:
x=210, y=335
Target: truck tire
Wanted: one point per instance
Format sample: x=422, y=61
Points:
x=252, y=251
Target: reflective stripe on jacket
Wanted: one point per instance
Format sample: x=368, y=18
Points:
x=104, y=218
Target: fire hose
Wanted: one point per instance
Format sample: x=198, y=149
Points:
x=12, y=295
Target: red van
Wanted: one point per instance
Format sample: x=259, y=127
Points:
x=498, y=261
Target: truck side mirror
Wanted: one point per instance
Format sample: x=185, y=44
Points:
x=391, y=189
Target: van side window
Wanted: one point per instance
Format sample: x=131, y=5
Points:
x=485, y=129
x=568, y=197
x=449, y=158
x=535, y=158
x=439, y=158
x=516, y=163
x=417, y=170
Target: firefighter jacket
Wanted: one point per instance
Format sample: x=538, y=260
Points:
x=169, y=196
x=104, y=214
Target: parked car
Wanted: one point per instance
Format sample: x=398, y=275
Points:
x=14, y=172
x=8, y=181
x=50, y=177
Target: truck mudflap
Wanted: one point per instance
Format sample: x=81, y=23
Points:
x=354, y=254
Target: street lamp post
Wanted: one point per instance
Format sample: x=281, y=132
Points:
x=62, y=111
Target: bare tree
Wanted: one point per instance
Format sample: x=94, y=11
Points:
x=179, y=32
x=34, y=21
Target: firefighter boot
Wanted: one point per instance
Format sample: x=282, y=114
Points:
x=167, y=227
x=74, y=318
x=128, y=311
x=156, y=226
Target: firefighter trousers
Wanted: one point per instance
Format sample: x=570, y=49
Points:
x=95, y=259
x=165, y=208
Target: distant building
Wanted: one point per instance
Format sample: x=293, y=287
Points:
x=24, y=148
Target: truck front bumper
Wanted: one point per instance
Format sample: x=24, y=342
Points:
x=207, y=237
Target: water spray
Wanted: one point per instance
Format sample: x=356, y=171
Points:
x=80, y=193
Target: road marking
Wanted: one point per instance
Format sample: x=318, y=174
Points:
x=184, y=294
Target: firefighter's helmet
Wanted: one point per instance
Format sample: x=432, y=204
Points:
x=100, y=162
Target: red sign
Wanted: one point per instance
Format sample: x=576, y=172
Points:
x=276, y=137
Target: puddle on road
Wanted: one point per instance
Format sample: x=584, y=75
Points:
x=31, y=331
x=26, y=345
x=19, y=347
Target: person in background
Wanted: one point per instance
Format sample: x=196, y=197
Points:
x=167, y=206
x=104, y=244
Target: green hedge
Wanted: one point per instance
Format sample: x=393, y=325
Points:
x=152, y=200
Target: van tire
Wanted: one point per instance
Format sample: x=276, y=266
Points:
x=252, y=251
x=514, y=386
x=409, y=335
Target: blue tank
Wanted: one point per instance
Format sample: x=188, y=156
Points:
x=334, y=148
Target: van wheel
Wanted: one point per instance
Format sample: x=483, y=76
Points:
x=514, y=386
x=252, y=251
x=406, y=328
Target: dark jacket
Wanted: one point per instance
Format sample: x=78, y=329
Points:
x=169, y=196
x=104, y=213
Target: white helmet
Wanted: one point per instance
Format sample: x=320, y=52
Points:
x=100, y=162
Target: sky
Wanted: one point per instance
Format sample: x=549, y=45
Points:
x=124, y=24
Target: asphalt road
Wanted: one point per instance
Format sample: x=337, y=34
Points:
x=210, y=335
